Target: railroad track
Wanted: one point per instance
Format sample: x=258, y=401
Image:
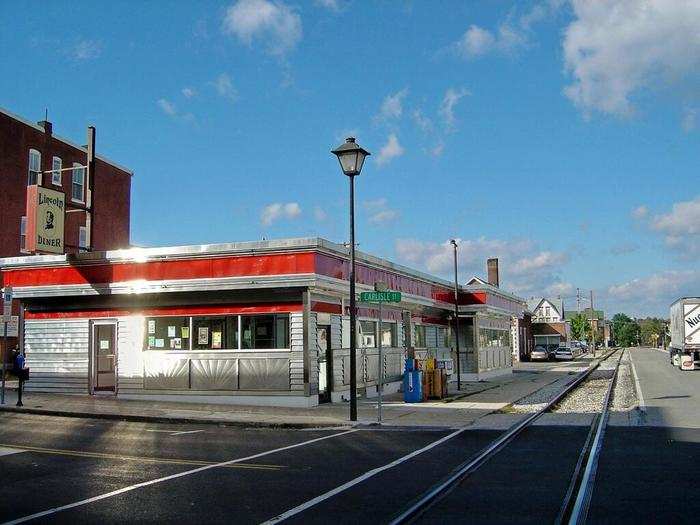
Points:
x=574, y=507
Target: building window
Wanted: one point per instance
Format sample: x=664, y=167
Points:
x=210, y=333
x=493, y=338
x=82, y=238
x=56, y=165
x=443, y=338
x=368, y=334
x=389, y=338
x=78, y=190
x=167, y=333
x=34, y=167
x=264, y=331
x=547, y=309
x=23, y=234
x=419, y=336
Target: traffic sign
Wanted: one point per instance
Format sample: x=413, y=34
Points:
x=383, y=297
x=6, y=304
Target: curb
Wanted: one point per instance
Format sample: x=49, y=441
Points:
x=172, y=420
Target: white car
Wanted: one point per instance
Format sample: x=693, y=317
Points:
x=564, y=353
x=540, y=353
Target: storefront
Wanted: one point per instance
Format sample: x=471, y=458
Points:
x=262, y=323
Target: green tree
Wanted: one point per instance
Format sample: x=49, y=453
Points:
x=626, y=331
x=651, y=330
x=580, y=327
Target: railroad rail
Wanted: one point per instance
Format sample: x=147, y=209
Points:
x=575, y=506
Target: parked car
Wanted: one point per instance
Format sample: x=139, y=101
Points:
x=540, y=353
x=564, y=353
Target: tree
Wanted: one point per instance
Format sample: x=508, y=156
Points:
x=651, y=330
x=580, y=327
x=625, y=330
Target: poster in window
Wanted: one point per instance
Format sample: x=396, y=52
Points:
x=104, y=344
x=203, y=335
x=176, y=343
x=160, y=343
x=151, y=341
x=185, y=332
x=216, y=339
x=171, y=331
x=151, y=327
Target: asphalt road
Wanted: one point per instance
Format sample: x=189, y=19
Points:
x=69, y=470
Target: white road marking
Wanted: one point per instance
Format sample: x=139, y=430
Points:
x=4, y=451
x=359, y=479
x=637, y=386
x=175, y=432
x=56, y=510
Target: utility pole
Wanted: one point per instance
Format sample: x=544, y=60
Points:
x=592, y=333
x=578, y=300
x=90, y=175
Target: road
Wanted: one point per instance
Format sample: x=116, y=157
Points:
x=68, y=470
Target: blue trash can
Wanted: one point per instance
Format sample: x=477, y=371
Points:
x=413, y=386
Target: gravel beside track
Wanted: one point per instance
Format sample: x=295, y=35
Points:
x=624, y=395
x=588, y=397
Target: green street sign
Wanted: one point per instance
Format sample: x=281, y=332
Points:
x=380, y=297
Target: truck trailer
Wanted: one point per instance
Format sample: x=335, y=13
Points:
x=685, y=333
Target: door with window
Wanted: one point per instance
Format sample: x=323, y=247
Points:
x=325, y=363
x=104, y=356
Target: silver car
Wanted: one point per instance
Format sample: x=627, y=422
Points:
x=540, y=353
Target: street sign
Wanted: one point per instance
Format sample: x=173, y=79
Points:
x=384, y=297
x=12, y=326
x=6, y=304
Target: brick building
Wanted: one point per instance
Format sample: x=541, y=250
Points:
x=26, y=150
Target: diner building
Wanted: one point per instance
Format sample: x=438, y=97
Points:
x=262, y=323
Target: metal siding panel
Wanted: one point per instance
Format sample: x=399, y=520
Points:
x=214, y=374
x=263, y=374
x=164, y=373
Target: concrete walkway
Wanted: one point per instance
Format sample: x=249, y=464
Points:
x=475, y=401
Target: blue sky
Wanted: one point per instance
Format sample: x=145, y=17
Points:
x=557, y=135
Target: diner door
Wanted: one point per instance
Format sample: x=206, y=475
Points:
x=104, y=356
x=325, y=363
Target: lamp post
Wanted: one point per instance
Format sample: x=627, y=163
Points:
x=459, y=379
x=351, y=157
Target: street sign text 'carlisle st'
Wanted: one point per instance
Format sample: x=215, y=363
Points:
x=384, y=297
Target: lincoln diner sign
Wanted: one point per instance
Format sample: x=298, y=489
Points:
x=46, y=211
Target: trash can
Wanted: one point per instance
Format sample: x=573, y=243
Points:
x=413, y=386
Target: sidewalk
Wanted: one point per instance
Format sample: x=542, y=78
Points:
x=462, y=409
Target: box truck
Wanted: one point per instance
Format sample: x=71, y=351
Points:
x=685, y=333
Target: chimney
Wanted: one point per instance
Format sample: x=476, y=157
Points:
x=48, y=127
x=492, y=269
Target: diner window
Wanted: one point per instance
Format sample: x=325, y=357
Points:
x=389, y=338
x=210, y=333
x=443, y=336
x=368, y=334
x=56, y=165
x=492, y=338
x=264, y=331
x=167, y=333
x=78, y=185
x=419, y=336
x=34, y=167
x=23, y=234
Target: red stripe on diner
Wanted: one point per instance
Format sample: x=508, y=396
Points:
x=328, y=308
x=213, y=267
x=179, y=310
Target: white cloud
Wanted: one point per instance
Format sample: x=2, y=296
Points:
x=559, y=289
x=332, y=5
x=188, y=92
x=167, y=107
x=640, y=212
x=690, y=118
x=379, y=211
x=320, y=214
x=616, y=48
x=423, y=122
x=86, y=50
x=524, y=268
x=447, y=107
x=273, y=23
x=651, y=294
x=475, y=42
x=383, y=217
x=438, y=149
x=279, y=210
x=680, y=226
x=392, y=106
x=224, y=87
x=390, y=150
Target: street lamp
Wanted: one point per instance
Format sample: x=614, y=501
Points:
x=459, y=379
x=351, y=157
